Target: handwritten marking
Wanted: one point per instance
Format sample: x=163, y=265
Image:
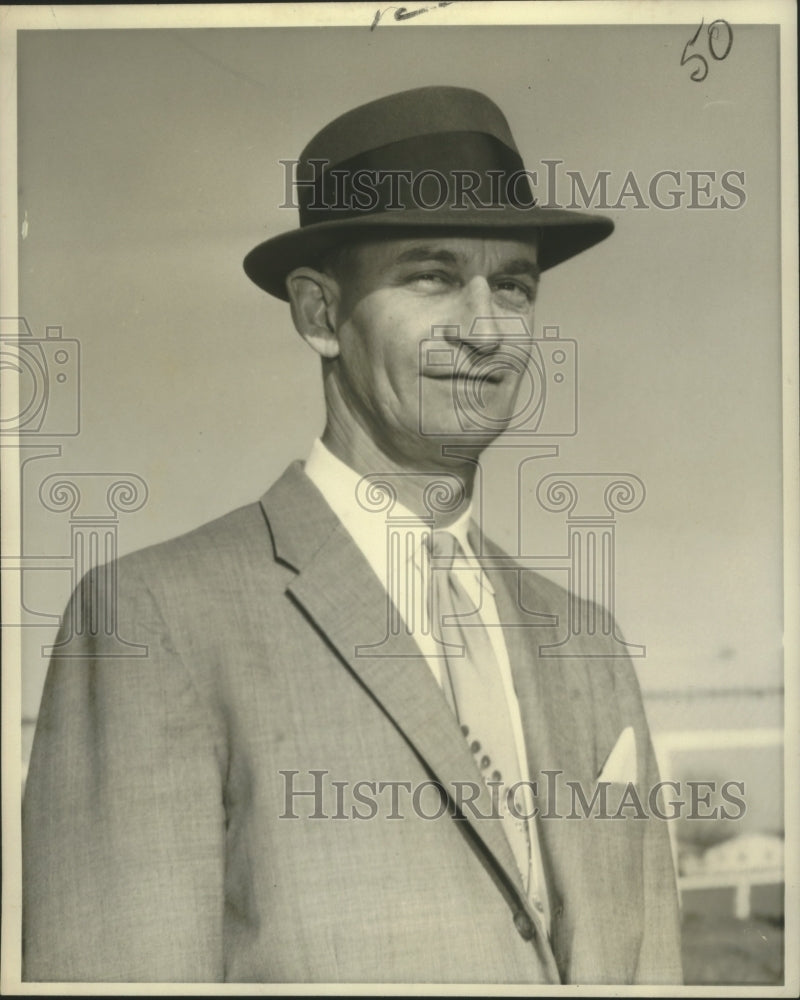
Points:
x=714, y=32
x=404, y=14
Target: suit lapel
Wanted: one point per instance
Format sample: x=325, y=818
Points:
x=559, y=699
x=339, y=591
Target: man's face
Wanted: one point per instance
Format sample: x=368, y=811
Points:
x=410, y=386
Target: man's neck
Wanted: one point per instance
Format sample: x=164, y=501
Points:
x=442, y=489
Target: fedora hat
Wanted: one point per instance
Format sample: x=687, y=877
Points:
x=432, y=158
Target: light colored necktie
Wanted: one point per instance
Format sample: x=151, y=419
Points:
x=473, y=685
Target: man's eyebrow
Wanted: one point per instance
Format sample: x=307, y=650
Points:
x=424, y=252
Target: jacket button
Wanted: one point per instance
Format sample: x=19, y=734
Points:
x=524, y=926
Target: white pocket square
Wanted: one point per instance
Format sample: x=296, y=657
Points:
x=620, y=764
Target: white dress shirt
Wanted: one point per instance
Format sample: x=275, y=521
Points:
x=406, y=580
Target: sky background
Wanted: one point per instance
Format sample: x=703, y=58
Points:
x=148, y=167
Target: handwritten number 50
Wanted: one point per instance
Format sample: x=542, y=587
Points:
x=720, y=40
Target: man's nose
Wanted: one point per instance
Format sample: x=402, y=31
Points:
x=478, y=323
x=481, y=325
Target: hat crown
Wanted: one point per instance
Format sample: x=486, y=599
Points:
x=430, y=159
x=408, y=115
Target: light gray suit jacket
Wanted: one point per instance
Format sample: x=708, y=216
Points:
x=154, y=848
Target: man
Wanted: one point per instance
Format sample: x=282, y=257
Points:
x=340, y=759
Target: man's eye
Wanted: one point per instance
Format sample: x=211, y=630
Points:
x=517, y=292
x=429, y=278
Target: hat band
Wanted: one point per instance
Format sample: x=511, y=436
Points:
x=452, y=171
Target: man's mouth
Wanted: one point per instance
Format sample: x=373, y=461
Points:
x=493, y=376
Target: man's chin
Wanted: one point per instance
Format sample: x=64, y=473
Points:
x=448, y=443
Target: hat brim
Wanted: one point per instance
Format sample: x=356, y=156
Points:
x=566, y=234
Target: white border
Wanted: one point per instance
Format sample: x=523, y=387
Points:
x=779, y=12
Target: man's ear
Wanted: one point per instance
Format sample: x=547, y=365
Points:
x=314, y=298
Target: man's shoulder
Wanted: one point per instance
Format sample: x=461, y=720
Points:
x=237, y=535
x=241, y=537
x=198, y=575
